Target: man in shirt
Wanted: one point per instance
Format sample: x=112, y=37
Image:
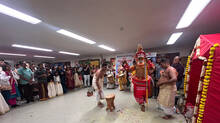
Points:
x=41, y=76
x=158, y=68
x=26, y=77
x=180, y=69
x=86, y=75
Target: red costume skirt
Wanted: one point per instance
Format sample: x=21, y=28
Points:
x=140, y=89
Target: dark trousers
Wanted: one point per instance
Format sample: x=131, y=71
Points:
x=91, y=77
x=128, y=81
x=156, y=89
x=6, y=95
x=21, y=91
x=63, y=83
x=178, y=84
x=43, y=91
x=28, y=92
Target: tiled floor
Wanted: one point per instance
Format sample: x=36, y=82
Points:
x=76, y=107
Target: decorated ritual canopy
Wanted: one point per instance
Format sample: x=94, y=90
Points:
x=202, y=80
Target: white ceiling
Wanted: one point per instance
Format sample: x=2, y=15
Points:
x=149, y=22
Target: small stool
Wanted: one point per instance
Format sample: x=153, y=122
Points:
x=110, y=102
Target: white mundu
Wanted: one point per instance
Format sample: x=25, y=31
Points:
x=94, y=84
x=101, y=82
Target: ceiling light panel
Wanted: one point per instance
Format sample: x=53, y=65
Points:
x=49, y=57
x=12, y=54
x=193, y=10
x=69, y=53
x=173, y=38
x=107, y=48
x=75, y=36
x=30, y=47
x=19, y=15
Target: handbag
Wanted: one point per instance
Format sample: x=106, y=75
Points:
x=5, y=84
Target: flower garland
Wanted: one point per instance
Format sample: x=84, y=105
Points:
x=186, y=74
x=205, y=84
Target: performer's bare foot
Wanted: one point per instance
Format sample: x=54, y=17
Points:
x=100, y=105
x=143, y=108
x=167, y=117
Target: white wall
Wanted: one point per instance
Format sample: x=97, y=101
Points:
x=184, y=51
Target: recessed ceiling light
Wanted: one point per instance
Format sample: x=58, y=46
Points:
x=19, y=15
x=174, y=37
x=75, y=36
x=32, y=48
x=107, y=48
x=69, y=53
x=49, y=57
x=12, y=54
x=193, y=10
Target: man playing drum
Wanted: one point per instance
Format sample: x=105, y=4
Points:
x=97, y=82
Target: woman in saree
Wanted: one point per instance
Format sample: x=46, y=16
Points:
x=4, y=79
x=69, y=78
x=78, y=82
x=11, y=95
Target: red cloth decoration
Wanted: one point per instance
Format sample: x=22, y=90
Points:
x=194, y=73
x=212, y=107
x=140, y=89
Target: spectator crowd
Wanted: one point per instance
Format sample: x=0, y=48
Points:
x=26, y=82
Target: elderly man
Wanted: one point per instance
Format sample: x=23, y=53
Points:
x=26, y=77
x=180, y=69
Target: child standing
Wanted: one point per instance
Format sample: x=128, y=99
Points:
x=51, y=85
x=58, y=86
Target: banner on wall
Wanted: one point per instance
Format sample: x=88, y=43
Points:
x=120, y=59
x=95, y=63
x=151, y=54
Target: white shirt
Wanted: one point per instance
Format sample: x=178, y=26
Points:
x=4, y=79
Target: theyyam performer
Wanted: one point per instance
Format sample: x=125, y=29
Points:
x=141, y=80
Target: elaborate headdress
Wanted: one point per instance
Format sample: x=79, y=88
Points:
x=140, y=52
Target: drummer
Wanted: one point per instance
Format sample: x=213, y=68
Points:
x=110, y=76
x=122, y=78
x=97, y=83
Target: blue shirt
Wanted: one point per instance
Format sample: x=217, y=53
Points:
x=26, y=73
x=158, y=69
